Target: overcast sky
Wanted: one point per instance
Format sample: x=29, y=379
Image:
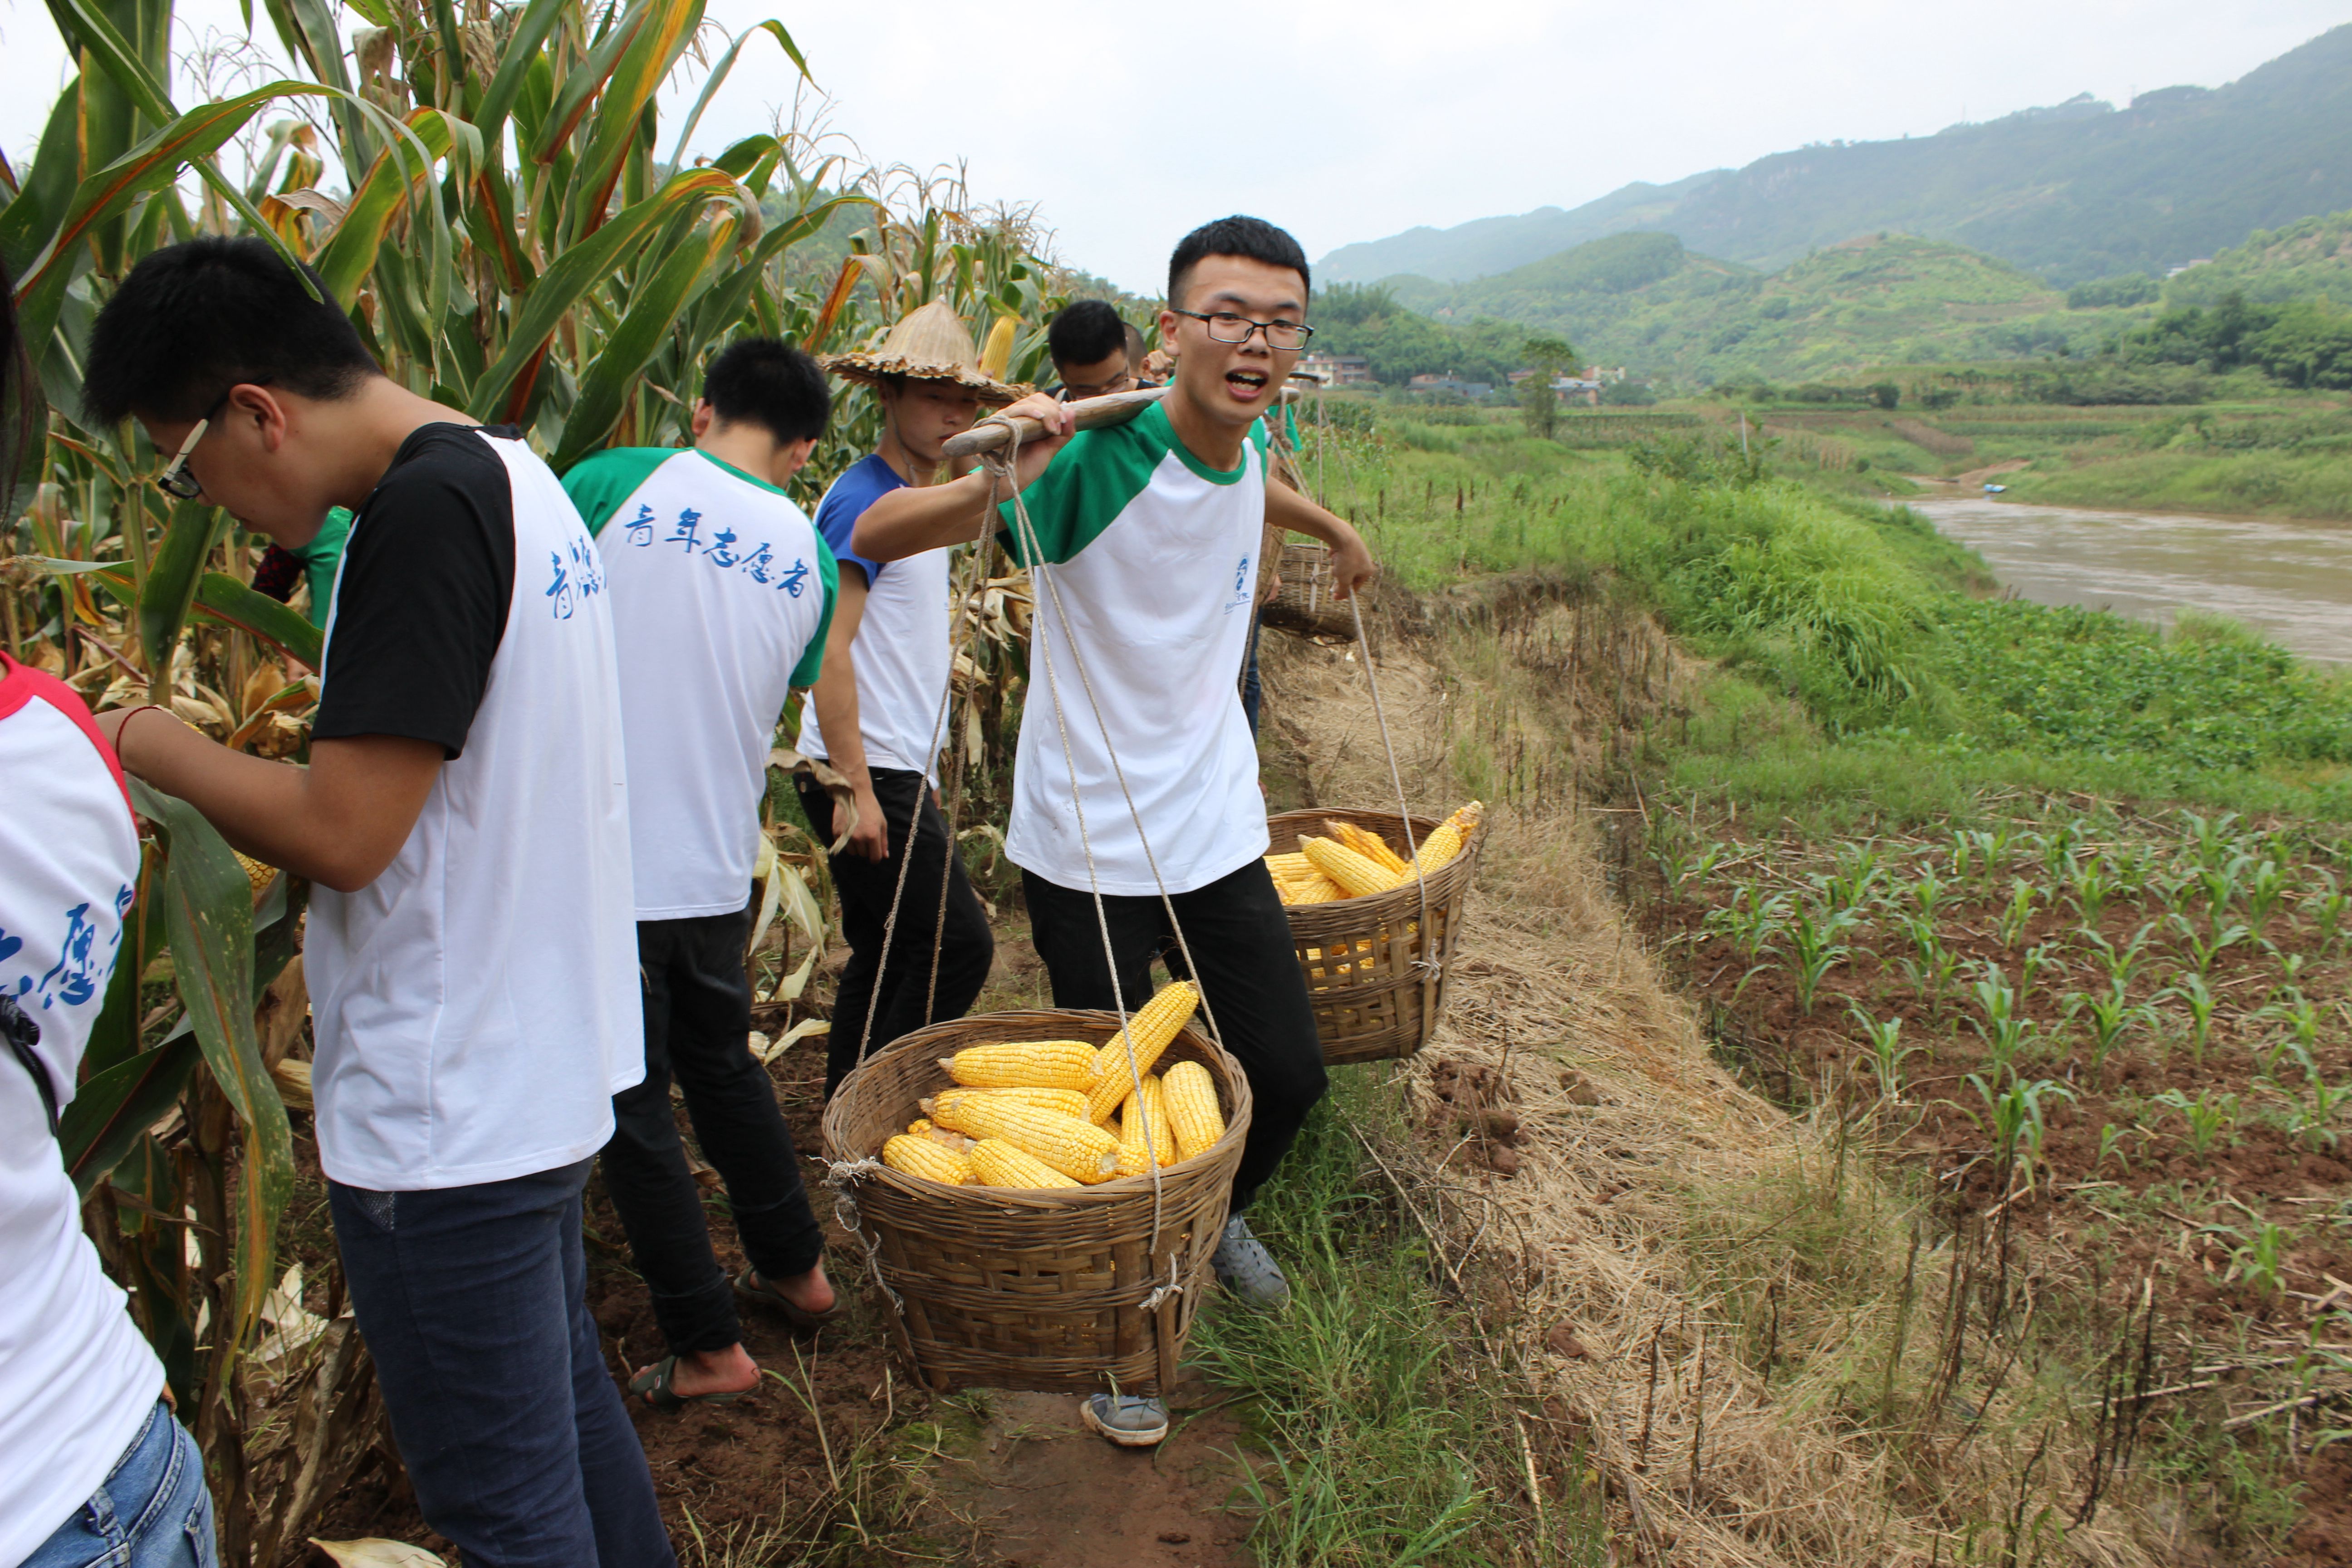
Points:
x=1348, y=120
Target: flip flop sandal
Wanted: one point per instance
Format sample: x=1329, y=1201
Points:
x=802, y=1319
x=655, y=1384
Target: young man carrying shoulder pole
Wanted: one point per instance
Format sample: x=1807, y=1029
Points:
x=1148, y=534
x=721, y=593
x=875, y=714
x=470, y=947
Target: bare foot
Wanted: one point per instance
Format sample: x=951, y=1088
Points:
x=731, y=1371
x=812, y=1292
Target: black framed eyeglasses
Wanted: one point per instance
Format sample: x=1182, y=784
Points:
x=1225, y=326
x=175, y=481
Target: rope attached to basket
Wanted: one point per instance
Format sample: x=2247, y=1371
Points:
x=1429, y=968
x=841, y=1176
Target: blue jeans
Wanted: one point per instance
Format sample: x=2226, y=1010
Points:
x=153, y=1512
x=473, y=1302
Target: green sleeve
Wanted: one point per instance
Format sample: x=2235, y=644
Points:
x=1290, y=424
x=1083, y=490
x=322, y=558
x=599, y=484
x=812, y=662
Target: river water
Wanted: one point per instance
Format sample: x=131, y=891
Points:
x=2293, y=581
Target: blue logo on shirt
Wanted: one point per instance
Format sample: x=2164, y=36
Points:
x=1241, y=586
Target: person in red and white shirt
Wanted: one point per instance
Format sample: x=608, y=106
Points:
x=91, y=1458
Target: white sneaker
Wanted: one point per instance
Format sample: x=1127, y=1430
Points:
x=1245, y=1268
x=1129, y=1420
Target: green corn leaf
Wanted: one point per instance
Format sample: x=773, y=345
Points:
x=235, y=604
x=606, y=382
x=576, y=273
x=522, y=52
x=40, y=206
x=146, y=168
x=578, y=92
x=113, y=1108
x=308, y=31
x=171, y=578
x=774, y=29
x=344, y=261
x=653, y=49
x=209, y=913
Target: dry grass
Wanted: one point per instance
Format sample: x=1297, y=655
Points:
x=1736, y=1284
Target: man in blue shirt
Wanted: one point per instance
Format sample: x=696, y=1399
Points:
x=878, y=713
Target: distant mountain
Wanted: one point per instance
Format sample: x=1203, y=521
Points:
x=2311, y=259
x=2070, y=193
x=1490, y=244
x=1644, y=301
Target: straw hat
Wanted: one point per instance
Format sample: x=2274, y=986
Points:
x=927, y=344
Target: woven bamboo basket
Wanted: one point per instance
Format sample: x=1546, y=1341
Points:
x=1305, y=602
x=997, y=1288
x=1361, y=957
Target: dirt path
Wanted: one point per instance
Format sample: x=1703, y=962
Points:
x=1029, y=1486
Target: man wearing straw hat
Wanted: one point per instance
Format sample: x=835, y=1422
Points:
x=877, y=715
x=1135, y=788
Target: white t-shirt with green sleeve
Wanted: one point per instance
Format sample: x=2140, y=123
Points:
x=721, y=593
x=1155, y=553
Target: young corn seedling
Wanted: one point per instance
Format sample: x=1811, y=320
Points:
x=2322, y=1105
x=2325, y=907
x=2111, y=1143
x=2206, y=946
x=2111, y=1015
x=2199, y=998
x=2121, y=963
x=1926, y=892
x=2040, y=956
x=2223, y=886
x=2016, y=1117
x=2206, y=1121
x=2259, y=1260
x=2018, y=914
x=2213, y=840
x=1930, y=973
x=2004, y=1032
x=1856, y=878
x=1885, y=1052
x=1813, y=937
x=2266, y=885
x=1752, y=922
x=2093, y=884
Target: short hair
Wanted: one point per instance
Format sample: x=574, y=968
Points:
x=771, y=383
x=1085, y=333
x=195, y=318
x=1252, y=238
x=1135, y=345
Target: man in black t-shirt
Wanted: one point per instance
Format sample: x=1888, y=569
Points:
x=470, y=945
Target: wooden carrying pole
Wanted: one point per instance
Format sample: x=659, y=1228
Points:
x=1092, y=412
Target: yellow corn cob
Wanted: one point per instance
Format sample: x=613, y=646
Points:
x=918, y=1127
x=1150, y=1027
x=1292, y=864
x=1025, y=1064
x=1063, y=1101
x=1073, y=1147
x=1368, y=844
x=255, y=873
x=921, y=1157
x=1355, y=874
x=997, y=1163
x=1447, y=843
x=1321, y=890
x=1144, y=1105
x=1190, y=1096
x=998, y=352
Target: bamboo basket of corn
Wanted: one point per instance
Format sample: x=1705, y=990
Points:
x=1375, y=998
x=1305, y=603
x=1048, y=1290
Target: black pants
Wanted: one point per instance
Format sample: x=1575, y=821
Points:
x=1240, y=941
x=897, y=991
x=697, y=1013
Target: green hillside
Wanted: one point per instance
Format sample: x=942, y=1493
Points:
x=1644, y=301
x=2306, y=260
x=2075, y=192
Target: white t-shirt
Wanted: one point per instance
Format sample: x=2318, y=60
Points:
x=476, y=1007
x=721, y=593
x=901, y=652
x=1156, y=556
x=76, y=1379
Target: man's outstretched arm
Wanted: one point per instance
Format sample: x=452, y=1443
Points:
x=1351, y=561
x=910, y=521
